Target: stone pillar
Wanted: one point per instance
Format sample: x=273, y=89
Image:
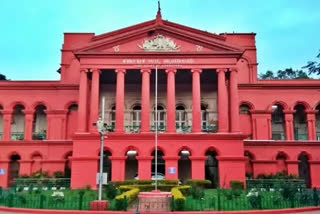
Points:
x=197, y=167
x=4, y=178
x=25, y=167
x=7, y=119
x=118, y=168
x=171, y=101
x=83, y=101
x=120, y=101
x=171, y=162
x=145, y=100
x=222, y=101
x=94, y=99
x=196, y=100
x=144, y=167
x=84, y=171
x=311, y=122
x=314, y=173
x=231, y=168
x=234, y=101
x=288, y=117
x=292, y=166
x=28, y=120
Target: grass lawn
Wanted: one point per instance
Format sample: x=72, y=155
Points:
x=226, y=199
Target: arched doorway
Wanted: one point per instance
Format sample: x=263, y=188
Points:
x=300, y=123
x=17, y=124
x=304, y=168
x=107, y=164
x=211, y=168
x=161, y=163
x=67, y=165
x=249, y=164
x=14, y=168
x=281, y=163
x=39, y=125
x=277, y=123
x=131, y=164
x=184, y=165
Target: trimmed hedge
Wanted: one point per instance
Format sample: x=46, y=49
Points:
x=145, y=182
x=128, y=192
x=178, y=198
x=198, y=182
x=236, y=184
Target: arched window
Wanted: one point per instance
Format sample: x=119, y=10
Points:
x=181, y=118
x=17, y=124
x=136, y=117
x=161, y=118
x=184, y=165
x=113, y=117
x=39, y=126
x=211, y=168
x=304, y=168
x=131, y=165
x=1, y=122
x=204, y=118
x=317, y=123
x=72, y=118
x=300, y=123
x=246, y=121
x=281, y=163
x=277, y=123
x=14, y=168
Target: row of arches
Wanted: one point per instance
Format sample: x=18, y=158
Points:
x=36, y=165
x=278, y=126
x=281, y=165
x=39, y=121
x=183, y=166
x=181, y=117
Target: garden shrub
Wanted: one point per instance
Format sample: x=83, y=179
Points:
x=178, y=198
x=254, y=199
x=235, y=184
x=58, y=174
x=111, y=191
x=130, y=193
x=198, y=182
x=196, y=192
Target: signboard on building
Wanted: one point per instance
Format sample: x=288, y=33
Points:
x=172, y=170
x=104, y=178
x=2, y=171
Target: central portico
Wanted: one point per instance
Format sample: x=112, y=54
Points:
x=197, y=107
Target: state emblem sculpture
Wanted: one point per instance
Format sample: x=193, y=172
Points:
x=159, y=43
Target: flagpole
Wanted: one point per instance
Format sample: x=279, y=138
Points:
x=156, y=128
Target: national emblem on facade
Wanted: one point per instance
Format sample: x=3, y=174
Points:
x=159, y=43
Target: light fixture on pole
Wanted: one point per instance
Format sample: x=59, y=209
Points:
x=102, y=129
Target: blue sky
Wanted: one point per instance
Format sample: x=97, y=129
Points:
x=32, y=30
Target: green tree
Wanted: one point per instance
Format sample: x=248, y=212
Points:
x=287, y=73
x=313, y=66
x=3, y=77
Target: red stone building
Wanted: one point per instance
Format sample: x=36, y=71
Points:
x=217, y=120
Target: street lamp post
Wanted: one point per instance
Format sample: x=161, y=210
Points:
x=102, y=129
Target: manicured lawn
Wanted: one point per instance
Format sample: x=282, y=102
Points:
x=227, y=199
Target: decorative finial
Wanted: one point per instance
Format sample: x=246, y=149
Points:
x=159, y=17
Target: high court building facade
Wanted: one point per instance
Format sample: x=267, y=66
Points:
x=216, y=120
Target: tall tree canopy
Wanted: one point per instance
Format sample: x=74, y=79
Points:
x=287, y=73
x=3, y=77
x=313, y=66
